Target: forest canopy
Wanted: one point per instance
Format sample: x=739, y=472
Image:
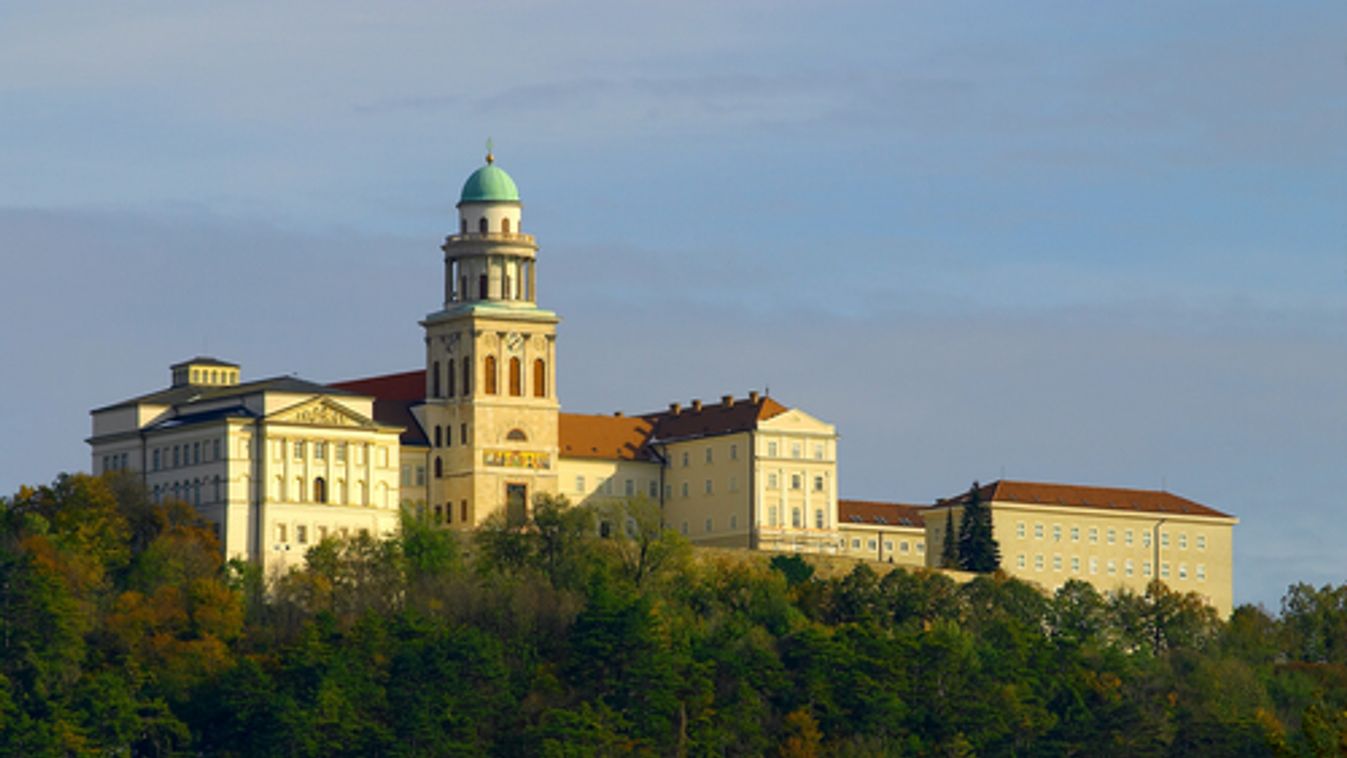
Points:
x=123, y=631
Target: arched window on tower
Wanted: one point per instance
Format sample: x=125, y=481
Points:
x=481, y=225
x=505, y=225
x=489, y=375
x=320, y=490
x=539, y=378
x=449, y=391
x=463, y=288
x=435, y=379
x=467, y=375
x=481, y=287
x=439, y=468
x=439, y=436
x=516, y=378
x=517, y=435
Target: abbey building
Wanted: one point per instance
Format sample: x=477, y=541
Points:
x=279, y=464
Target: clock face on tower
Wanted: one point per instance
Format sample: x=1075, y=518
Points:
x=450, y=342
x=514, y=341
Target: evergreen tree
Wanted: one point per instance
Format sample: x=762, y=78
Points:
x=949, y=552
x=978, y=549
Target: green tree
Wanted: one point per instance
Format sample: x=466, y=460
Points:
x=978, y=548
x=641, y=544
x=949, y=546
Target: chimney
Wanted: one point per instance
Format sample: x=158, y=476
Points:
x=675, y=408
x=618, y=414
x=753, y=396
x=696, y=405
x=727, y=401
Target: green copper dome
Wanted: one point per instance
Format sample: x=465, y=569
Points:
x=489, y=184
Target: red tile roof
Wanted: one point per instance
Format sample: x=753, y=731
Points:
x=710, y=420
x=394, y=397
x=1081, y=496
x=880, y=514
x=608, y=437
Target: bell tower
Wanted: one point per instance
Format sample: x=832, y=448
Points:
x=491, y=405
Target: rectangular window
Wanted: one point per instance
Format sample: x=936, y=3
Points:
x=1094, y=565
x=1201, y=542
x=709, y=455
x=302, y=534
x=1019, y=529
x=903, y=546
x=708, y=486
x=870, y=544
x=685, y=459
x=772, y=519
x=818, y=484
x=156, y=460
x=1164, y=570
x=1112, y=567
x=710, y=524
x=629, y=488
x=579, y=484
x=176, y=462
x=1127, y=567
x=1038, y=562
x=1075, y=565
x=299, y=450
x=734, y=522
x=855, y=544
x=795, y=450
x=1127, y=538
x=1146, y=538
x=280, y=532
x=1056, y=563
x=685, y=528
x=463, y=434
x=420, y=476
x=771, y=449
x=1056, y=532
x=734, y=452
x=795, y=481
x=1183, y=571
x=1201, y=572
x=772, y=481
x=795, y=518
x=818, y=452
x=1094, y=535
x=1164, y=539
x=1019, y=560
x=215, y=450
x=921, y=547
x=196, y=453
x=320, y=451
x=1110, y=536
x=654, y=489
x=685, y=489
x=734, y=483
x=406, y=474
x=341, y=452
x=1038, y=531
x=1183, y=541
x=1075, y=534
x=1145, y=568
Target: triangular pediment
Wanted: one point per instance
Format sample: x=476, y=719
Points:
x=321, y=412
x=795, y=420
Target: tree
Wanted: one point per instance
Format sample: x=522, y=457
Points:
x=978, y=549
x=949, y=550
x=641, y=543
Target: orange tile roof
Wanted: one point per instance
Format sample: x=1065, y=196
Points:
x=1081, y=496
x=394, y=397
x=607, y=437
x=880, y=514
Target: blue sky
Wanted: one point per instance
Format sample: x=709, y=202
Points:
x=1095, y=243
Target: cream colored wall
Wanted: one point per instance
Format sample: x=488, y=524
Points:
x=414, y=478
x=590, y=481
x=900, y=545
x=794, y=444
x=721, y=516
x=1050, y=545
x=467, y=478
x=493, y=213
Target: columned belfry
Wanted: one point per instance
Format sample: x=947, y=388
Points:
x=491, y=406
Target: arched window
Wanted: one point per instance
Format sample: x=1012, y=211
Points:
x=505, y=225
x=489, y=375
x=481, y=287
x=450, y=391
x=435, y=379
x=439, y=435
x=481, y=225
x=319, y=490
x=467, y=375
x=517, y=435
x=463, y=287
x=516, y=378
x=439, y=468
x=539, y=378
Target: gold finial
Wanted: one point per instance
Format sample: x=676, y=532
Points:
x=489, y=157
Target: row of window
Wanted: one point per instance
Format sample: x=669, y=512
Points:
x=444, y=436
x=796, y=481
x=1110, y=536
x=904, y=546
x=407, y=476
x=301, y=491
x=1111, y=566
x=796, y=450
x=484, y=227
x=490, y=384
x=302, y=534
x=796, y=517
x=444, y=514
x=709, y=454
x=710, y=525
x=184, y=454
x=321, y=450
x=605, y=486
x=115, y=462
x=188, y=491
